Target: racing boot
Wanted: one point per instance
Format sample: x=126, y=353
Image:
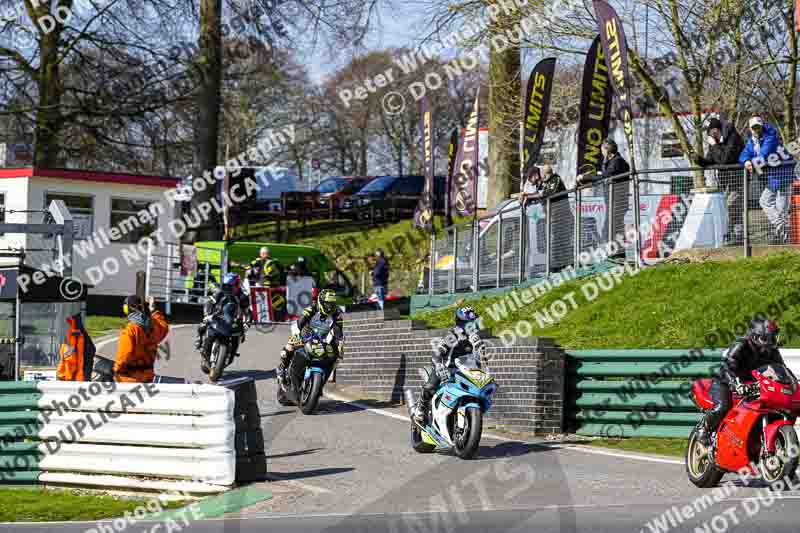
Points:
x=281, y=370
x=198, y=341
x=421, y=409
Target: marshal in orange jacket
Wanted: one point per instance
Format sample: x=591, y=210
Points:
x=137, y=350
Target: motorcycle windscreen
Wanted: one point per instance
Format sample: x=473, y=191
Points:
x=778, y=374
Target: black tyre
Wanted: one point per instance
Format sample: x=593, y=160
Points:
x=468, y=439
x=417, y=443
x=219, y=363
x=204, y=365
x=783, y=462
x=283, y=399
x=309, y=396
x=700, y=466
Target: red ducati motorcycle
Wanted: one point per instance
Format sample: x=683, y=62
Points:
x=757, y=435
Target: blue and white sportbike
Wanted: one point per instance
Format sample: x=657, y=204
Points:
x=457, y=408
x=313, y=362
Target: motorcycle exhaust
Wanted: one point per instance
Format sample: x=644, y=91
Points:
x=410, y=400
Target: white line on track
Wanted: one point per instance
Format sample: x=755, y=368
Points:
x=578, y=448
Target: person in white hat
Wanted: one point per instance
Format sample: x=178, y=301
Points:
x=776, y=179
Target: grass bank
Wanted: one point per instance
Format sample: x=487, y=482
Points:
x=97, y=326
x=667, y=306
x=46, y=505
x=657, y=446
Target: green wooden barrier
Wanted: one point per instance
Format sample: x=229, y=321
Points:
x=634, y=393
x=19, y=459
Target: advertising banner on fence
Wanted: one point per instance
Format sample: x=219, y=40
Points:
x=423, y=215
x=595, y=110
x=537, y=104
x=615, y=48
x=464, y=182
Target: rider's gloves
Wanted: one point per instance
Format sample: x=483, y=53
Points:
x=739, y=387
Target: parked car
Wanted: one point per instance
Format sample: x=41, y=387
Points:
x=384, y=187
x=337, y=188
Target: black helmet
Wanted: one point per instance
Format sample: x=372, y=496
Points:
x=465, y=315
x=763, y=334
x=327, y=302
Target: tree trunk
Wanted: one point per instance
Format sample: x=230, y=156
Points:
x=789, y=113
x=206, y=129
x=504, y=97
x=48, y=76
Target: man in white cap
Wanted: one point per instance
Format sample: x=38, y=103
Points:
x=763, y=143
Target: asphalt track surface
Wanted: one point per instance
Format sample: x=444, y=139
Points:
x=349, y=468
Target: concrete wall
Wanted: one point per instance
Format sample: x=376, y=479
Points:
x=383, y=355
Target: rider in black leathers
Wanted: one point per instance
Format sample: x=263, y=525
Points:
x=231, y=290
x=323, y=309
x=758, y=348
x=462, y=339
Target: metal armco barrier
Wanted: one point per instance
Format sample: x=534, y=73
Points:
x=65, y=432
x=638, y=393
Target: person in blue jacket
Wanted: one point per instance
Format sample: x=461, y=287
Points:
x=763, y=143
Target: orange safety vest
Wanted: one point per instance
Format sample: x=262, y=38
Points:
x=77, y=353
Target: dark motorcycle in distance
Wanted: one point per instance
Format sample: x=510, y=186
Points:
x=311, y=365
x=227, y=329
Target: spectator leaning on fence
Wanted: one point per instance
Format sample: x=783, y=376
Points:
x=725, y=146
x=531, y=187
x=776, y=180
x=380, y=277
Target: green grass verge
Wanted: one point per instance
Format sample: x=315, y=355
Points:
x=98, y=326
x=43, y=505
x=658, y=446
x=668, y=306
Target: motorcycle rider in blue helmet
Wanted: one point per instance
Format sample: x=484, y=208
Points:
x=462, y=339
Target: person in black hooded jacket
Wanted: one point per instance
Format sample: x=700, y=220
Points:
x=725, y=146
x=758, y=348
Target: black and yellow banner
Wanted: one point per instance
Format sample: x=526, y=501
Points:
x=451, y=165
x=615, y=48
x=537, y=105
x=595, y=110
x=423, y=215
x=465, y=174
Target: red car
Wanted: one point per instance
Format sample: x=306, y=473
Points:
x=337, y=188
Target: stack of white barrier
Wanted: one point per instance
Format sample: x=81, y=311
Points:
x=133, y=435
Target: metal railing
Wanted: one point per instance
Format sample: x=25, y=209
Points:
x=164, y=280
x=594, y=226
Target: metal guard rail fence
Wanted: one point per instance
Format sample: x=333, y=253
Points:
x=514, y=244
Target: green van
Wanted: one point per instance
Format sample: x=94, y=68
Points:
x=241, y=253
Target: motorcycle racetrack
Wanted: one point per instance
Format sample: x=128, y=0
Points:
x=350, y=468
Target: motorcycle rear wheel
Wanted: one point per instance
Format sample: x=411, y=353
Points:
x=219, y=363
x=467, y=442
x=309, y=396
x=786, y=450
x=700, y=467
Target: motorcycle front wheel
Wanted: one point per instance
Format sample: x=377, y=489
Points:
x=219, y=362
x=784, y=461
x=468, y=438
x=700, y=466
x=309, y=396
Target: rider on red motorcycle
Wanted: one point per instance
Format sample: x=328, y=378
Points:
x=758, y=348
